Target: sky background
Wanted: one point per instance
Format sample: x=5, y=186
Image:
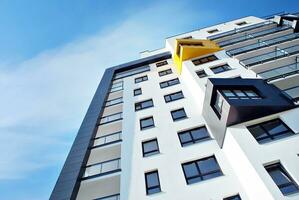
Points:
x=52, y=56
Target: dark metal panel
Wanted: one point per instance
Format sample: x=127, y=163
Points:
x=68, y=183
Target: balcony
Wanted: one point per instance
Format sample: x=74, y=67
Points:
x=101, y=169
x=280, y=72
x=261, y=44
x=111, y=197
x=276, y=54
x=107, y=139
x=111, y=118
x=240, y=30
x=293, y=93
x=248, y=36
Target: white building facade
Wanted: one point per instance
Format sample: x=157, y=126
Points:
x=213, y=115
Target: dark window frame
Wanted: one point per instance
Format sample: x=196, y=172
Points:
x=152, y=152
x=202, y=175
x=170, y=97
x=243, y=91
x=191, y=135
x=149, y=126
x=158, y=186
x=161, y=63
x=270, y=137
x=278, y=166
x=169, y=83
x=140, y=105
x=179, y=118
x=215, y=30
x=201, y=73
x=141, y=79
x=139, y=90
x=242, y=23
x=165, y=72
x=234, y=197
x=224, y=68
x=203, y=60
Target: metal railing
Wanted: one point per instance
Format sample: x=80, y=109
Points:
x=110, y=197
x=103, y=168
x=248, y=36
x=111, y=118
x=107, y=139
x=239, y=30
x=264, y=43
x=278, y=53
x=280, y=72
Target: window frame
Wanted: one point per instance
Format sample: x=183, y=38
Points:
x=141, y=79
x=278, y=166
x=135, y=90
x=224, y=67
x=158, y=186
x=113, y=104
x=171, y=96
x=233, y=197
x=165, y=72
x=152, y=152
x=215, y=30
x=202, y=75
x=146, y=127
x=243, y=90
x=199, y=174
x=194, y=140
x=139, y=105
x=270, y=137
x=180, y=118
x=203, y=60
x=161, y=63
x=168, y=83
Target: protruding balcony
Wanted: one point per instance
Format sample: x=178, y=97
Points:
x=191, y=48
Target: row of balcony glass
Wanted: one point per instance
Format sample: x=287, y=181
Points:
x=280, y=72
x=111, y=118
x=107, y=139
x=248, y=36
x=261, y=44
x=293, y=93
x=239, y=30
x=276, y=54
x=103, y=168
x=111, y=197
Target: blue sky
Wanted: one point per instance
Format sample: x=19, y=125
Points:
x=52, y=56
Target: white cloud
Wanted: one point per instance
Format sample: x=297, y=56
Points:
x=44, y=99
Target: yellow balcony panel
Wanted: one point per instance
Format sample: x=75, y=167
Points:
x=186, y=49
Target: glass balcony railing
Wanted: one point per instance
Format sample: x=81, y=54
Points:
x=280, y=72
x=239, y=30
x=278, y=53
x=248, y=36
x=111, y=118
x=107, y=139
x=293, y=93
x=111, y=197
x=103, y=168
x=261, y=44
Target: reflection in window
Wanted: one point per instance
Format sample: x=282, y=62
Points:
x=150, y=147
x=178, y=114
x=147, y=123
x=193, y=136
x=152, y=182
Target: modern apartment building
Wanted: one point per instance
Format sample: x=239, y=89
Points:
x=213, y=116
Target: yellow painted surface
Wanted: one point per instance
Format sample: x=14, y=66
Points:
x=191, y=48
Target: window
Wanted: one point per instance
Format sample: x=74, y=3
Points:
x=169, y=83
x=147, y=123
x=137, y=92
x=116, y=86
x=187, y=37
x=218, y=103
x=240, y=94
x=203, y=60
x=241, y=23
x=132, y=72
x=111, y=118
x=201, y=73
x=193, y=136
x=221, y=68
x=213, y=31
x=203, y=169
x=150, y=148
x=144, y=104
x=152, y=182
x=270, y=130
x=235, y=197
x=165, y=72
x=173, y=96
x=113, y=102
x=282, y=179
x=178, y=114
x=162, y=63
x=141, y=79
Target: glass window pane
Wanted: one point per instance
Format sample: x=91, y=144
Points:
x=208, y=165
x=199, y=133
x=152, y=179
x=150, y=146
x=240, y=93
x=190, y=170
x=279, y=177
x=228, y=93
x=185, y=137
x=257, y=132
x=274, y=127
